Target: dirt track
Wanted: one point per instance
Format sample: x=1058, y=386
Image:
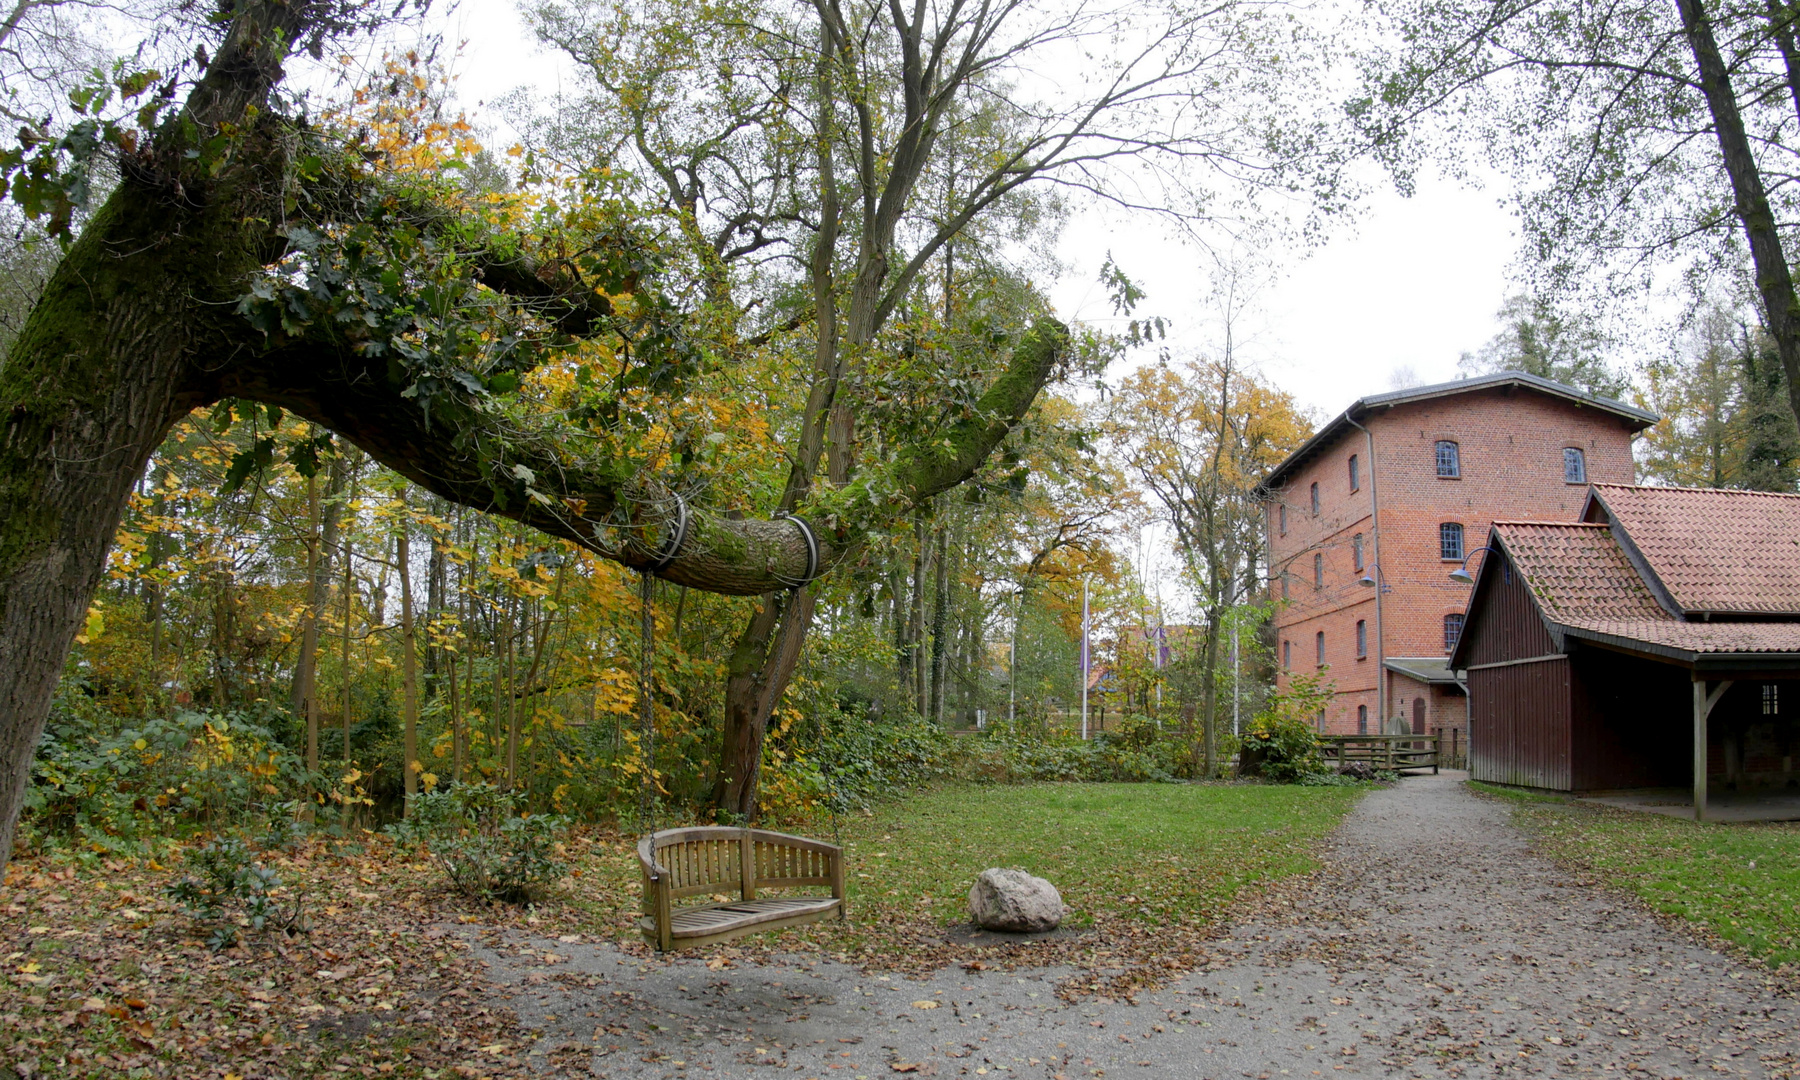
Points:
x=1433, y=944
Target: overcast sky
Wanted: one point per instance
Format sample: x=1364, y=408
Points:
x=1412, y=283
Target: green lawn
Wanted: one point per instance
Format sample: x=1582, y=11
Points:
x=1742, y=882
x=1154, y=854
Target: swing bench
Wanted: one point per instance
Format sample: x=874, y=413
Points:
x=711, y=859
x=708, y=860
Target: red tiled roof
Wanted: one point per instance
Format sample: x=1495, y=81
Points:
x=1695, y=637
x=1577, y=571
x=1583, y=581
x=1714, y=551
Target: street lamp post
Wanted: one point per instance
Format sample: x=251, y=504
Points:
x=1461, y=574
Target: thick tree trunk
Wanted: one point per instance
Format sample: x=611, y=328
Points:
x=761, y=665
x=103, y=368
x=1774, y=278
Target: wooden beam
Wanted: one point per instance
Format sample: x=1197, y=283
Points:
x=1703, y=707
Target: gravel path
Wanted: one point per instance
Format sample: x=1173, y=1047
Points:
x=1433, y=944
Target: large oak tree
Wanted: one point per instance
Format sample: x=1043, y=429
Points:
x=247, y=252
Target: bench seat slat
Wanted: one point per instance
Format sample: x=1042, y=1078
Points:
x=740, y=914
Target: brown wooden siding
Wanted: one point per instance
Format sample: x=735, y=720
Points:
x=1519, y=724
x=1633, y=722
x=1506, y=624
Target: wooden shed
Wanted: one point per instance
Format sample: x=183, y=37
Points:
x=1651, y=644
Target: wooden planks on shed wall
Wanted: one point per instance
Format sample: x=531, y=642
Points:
x=1519, y=731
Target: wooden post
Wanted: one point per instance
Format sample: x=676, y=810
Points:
x=1703, y=707
x=747, y=865
x=1700, y=712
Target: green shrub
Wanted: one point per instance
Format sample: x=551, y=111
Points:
x=230, y=888
x=1135, y=751
x=1280, y=742
x=1281, y=748
x=109, y=786
x=484, y=845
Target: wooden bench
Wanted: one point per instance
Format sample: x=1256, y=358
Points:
x=708, y=860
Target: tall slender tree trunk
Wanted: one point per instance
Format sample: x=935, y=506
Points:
x=321, y=542
x=349, y=586
x=504, y=707
x=156, y=550
x=940, y=623
x=409, y=675
x=915, y=617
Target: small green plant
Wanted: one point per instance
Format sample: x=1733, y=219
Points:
x=230, y=888
x=1281, y=742
x=485, y=846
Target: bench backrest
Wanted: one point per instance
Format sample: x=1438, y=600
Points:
x=718, y=858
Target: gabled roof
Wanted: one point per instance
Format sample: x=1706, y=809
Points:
x=1636, y=419
x=1585, y=585
x=1576, y=571
x=1711, y=552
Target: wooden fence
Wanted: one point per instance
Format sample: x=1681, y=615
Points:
x=1391, y=752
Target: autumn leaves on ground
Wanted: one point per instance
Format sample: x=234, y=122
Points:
x=107, y=976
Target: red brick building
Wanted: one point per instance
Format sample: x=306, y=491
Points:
x=1367, y=521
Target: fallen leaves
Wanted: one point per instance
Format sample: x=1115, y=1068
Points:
x=100, y=988
x=927, y=1004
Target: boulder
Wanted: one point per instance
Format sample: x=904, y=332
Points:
x=1014, y=901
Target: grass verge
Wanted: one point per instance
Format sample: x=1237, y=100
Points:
x=1740, y=882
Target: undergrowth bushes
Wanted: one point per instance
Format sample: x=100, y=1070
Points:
x=1136, y=751
x=485, y=843
x=111, y=787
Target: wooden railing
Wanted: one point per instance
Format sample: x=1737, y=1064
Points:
x=1391, y=752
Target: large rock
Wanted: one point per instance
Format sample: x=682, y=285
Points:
x=1015, y=901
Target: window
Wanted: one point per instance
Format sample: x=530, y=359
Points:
x=1356, y=558
x=1449, y=459
x=1284, y=584
x=1355, y=474
x=1574, y=466
x=1318, y=571
x=1452, y=630
x=1315, y=497
x=1771, y=694
x=1287, y=656
x=1362, y=639
x=1319, y=644
x=1362, y=719
x=1282, y=513
x=1450, y=540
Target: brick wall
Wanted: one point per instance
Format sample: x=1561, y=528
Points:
x=1510, y=444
